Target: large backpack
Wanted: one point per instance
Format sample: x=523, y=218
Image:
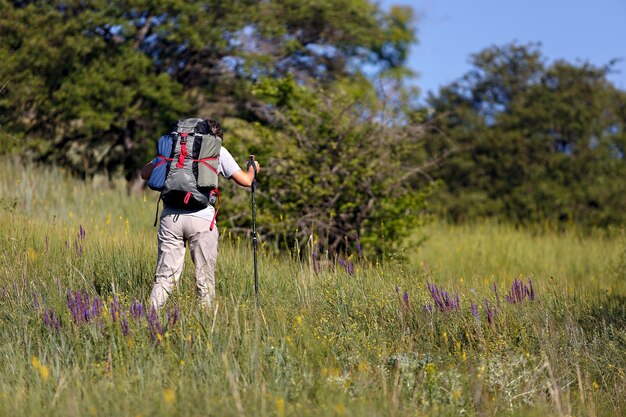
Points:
x=186, y=166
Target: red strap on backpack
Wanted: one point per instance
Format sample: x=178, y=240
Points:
x=162, y=160
x=183, y=151
x=204, y=162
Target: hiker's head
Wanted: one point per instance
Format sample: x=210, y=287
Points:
x=216, y=128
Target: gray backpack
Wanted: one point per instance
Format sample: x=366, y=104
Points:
x=190, y=170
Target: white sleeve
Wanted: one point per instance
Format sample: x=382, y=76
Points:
x=228, y=166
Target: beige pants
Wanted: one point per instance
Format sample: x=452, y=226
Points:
x=174, y=232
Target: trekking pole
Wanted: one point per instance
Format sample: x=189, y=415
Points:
x=254, y=238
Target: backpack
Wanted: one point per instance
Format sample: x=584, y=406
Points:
x=186, y=166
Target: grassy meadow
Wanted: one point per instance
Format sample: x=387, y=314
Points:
x=477, y=320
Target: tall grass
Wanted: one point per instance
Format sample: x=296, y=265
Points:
x=370, y=342
x=502, y=252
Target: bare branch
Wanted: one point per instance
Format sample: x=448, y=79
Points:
x=426, y=166
x=142, y=32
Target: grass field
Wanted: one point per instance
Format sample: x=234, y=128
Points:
x=76, y=337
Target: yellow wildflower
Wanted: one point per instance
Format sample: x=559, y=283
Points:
x=456, y=394
x=169, y=396
x=429, y=368
x=35, y=362
x=280, y=407
x=44, y=372
x=340, y=409
x=363, y=367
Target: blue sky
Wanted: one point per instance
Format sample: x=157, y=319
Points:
x=449, y=31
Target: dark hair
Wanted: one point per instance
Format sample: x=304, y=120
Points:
x=216, y=128
x=205, y=126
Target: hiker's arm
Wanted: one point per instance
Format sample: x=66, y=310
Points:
x=244, y=178
x=146, y=171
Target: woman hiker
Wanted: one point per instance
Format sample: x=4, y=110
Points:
x=195, y=227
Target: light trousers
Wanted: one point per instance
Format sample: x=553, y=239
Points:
x=174, y=232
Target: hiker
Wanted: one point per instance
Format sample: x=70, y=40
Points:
x=195, y=226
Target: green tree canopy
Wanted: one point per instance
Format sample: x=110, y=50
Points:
x=90, y=84
x=339, y=167
x=533, y=141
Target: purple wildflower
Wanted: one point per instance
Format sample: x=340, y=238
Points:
x=495, y=290
x=136, y=310
x=491, y=312
x=78, y=243
x=79, y=248
x=405, y=297
x=35, y=301
x=428, y=308
x=154, y=325
x=96, y=307
x=349, y=267
x=358, y=245
x=82, y=308
x=125, y=327
x=520, y=292
x=116, y=309
x=51, y=320
x=442, y=299
x=474, y=309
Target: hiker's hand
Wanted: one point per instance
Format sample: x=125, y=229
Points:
x=256, y=167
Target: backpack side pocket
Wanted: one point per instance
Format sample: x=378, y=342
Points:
x=161, y=162
x=208, y=161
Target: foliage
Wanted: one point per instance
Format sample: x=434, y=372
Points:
x=72, y=94
x=532, y=142
x=95, y=88
x=320, y=343
x=338, y=167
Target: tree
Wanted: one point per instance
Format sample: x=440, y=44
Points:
x=95, y=88
x=539, y=142
x=73, y=98
x=337, y=166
